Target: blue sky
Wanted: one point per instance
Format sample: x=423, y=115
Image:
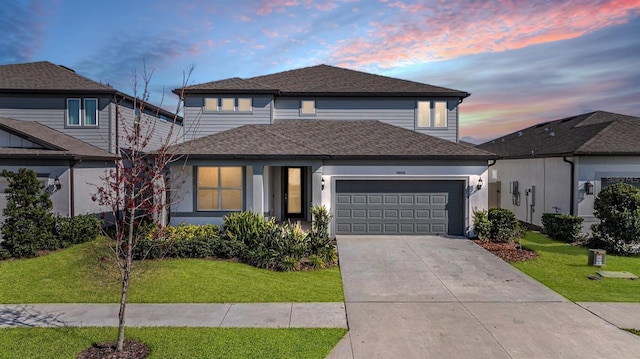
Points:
x=522, y=61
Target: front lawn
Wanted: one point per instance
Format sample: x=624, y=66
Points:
x=174, y=342
x=563, y=268
x=76, y=275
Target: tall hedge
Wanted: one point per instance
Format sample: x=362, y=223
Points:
x=618, y=209
x=562, y=227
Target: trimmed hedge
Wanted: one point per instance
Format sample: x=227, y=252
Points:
x=246, y=236
x=618, y=209
x=562, y=227
x=504, y=225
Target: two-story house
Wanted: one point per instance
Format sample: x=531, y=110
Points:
x=381, y=153
x=68, y=129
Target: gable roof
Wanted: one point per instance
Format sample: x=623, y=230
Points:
x=594, y=133
x=56, y=145
x=327, y=139
x=323, y=80
x=45, y=77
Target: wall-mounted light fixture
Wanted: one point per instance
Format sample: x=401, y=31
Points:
x=57, y=184
x=588, y=187
x=322, y=183
x=480, y=183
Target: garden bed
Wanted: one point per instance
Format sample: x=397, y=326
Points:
x=508, y=252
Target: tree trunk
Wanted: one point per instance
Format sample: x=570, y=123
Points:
x=125, y=282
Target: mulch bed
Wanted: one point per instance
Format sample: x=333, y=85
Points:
x=508, y=252
x=132, y=349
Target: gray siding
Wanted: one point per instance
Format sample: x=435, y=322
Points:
x=51, y=110
x=395, y=111
x=160, y=128
x=13, y=141
x=198, y=123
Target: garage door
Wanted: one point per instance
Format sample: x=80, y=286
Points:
x=399, y=207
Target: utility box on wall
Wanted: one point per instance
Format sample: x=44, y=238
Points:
x=597, y=257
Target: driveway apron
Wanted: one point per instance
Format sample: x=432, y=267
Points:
x=436, y=297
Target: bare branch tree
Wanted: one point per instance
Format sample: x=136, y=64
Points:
x=134, y=192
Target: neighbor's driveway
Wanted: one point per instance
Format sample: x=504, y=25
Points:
x=434, y=297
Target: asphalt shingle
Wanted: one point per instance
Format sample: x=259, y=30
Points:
x=324, y=80
x=335, y=139
x=55, y=144
x=592, y=133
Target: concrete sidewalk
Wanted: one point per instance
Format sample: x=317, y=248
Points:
x=245, y=315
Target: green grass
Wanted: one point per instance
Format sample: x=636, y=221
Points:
x=76, y=275
x=633, y=331
x=563, y=268
x=174, y=342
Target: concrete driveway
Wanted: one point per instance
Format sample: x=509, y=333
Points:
x=434, y=297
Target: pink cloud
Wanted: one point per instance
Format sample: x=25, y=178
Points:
x=266, y=7
x=421, y=32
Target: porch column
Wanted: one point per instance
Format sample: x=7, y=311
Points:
x=316, y=184
x=258, y=189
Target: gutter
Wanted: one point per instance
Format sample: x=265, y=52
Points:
x=571, y=192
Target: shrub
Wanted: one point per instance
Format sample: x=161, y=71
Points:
x=74, y=230
x=322, y=248
x=246, y=227
x=562, y=227
x=618, y=209
x=481, y=225
x=28, y=225
x=504, y=225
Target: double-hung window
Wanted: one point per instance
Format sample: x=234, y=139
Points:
x=219, y=188
x=431, y=114
x=82, y=112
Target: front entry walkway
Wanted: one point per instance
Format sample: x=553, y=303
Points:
x=434, y=297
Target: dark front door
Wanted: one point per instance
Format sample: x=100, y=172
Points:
x=294, y=192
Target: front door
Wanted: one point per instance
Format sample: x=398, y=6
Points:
x=294, y=192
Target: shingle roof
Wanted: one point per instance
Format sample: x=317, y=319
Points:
x=323, y=80
x=45, y=76
x=55, y=144
x=594, y=133
x=328, y=139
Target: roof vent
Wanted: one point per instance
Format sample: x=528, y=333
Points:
x=546, y=129
x=519, y=133
x=552, y=134
x=67, y=68
x=502, y=139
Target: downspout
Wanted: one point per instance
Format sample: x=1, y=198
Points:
x=571, y=193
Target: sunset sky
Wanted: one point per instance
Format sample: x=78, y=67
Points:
x=522, y=61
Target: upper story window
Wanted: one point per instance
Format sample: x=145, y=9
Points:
x=219, y=188
x=307, y=107
x=431, y=114
x=82, y=112
x=228, y=104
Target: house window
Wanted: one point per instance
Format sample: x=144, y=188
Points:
x=228, y=104
x=431, y=114
x=219, y=188
x=307, y=107
x=82, y=112
x=244, y=105
x=211, y=104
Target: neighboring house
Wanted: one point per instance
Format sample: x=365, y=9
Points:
x=562, y=165
x=53, y=108
x=63, y=163
x=57, y=97
x=380, y=153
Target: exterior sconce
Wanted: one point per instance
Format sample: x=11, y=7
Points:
x=479, y=185
x=588, y=187
x=322, y=183
x=57, y=184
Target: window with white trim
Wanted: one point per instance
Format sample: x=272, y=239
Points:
x=244, y=105
x=431, y=114
x=307, y=107
x=228, y=104
x=82, y=112
x=219, y=188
